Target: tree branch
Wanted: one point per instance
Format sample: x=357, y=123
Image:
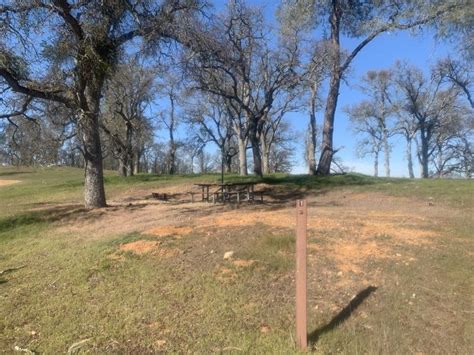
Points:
x=40, y=94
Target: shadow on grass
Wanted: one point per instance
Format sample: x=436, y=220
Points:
x=144, y=178
x=343, y=315
x=311, y=182
x=9, y=173
x=306, y=181
x=38, y=217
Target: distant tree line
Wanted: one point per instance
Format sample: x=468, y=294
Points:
x=91, y=84
x=433, y=112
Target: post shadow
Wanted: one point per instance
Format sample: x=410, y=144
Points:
x=343, y=315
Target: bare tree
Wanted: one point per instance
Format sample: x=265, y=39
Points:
x=407, y=127
x=313, y=76
x=34, y=132
x=377, y=110
x=430, y=104
x=457, y=73
x=281, y=151
x=452, y=152
x=365, y=123
x=210, y=123
x=252, y=75
x=128, y=94
x=171, y=89
x=360, y=20
x=77, y=45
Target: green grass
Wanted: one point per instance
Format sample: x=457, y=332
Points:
x=74, y=287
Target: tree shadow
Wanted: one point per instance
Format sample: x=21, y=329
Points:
x=46, y=215
x=11, y=173
x=343, y=315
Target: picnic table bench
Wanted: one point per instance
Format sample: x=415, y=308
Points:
x=225, y=192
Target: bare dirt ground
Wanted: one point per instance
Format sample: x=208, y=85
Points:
x=347, y=227
x=8, y=182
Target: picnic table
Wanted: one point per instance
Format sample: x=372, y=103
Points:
x=225, y=192
x=204, y=191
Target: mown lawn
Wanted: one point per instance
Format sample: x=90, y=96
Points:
x=74, y=288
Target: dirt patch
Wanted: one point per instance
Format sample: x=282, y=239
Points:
x=399, y=224
x=140, y=247
x=243, y=263
x=153, y=248
x=409, y=235
x=350, y=255
x=164, y=231
x=8, y=182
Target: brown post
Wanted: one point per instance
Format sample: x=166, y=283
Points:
x=301, y=290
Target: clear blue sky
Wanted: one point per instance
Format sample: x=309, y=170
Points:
x=421, y=50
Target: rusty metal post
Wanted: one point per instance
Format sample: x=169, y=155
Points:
x=301, y=288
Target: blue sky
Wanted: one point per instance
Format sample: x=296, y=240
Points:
x=422, y=50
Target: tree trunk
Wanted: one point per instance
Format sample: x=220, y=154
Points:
x=424, y=156
x=386, y=152
x=376, y=164
x=266, y=162
x=312, y=135
x=122, y=167
x=257, y=154
x=228, y=164
x=130, y=167
x=129, y=151
x=409, y=159
x=440, y=162
x=265, y=153
x=94, y=192
x=202, y=163
x=136, y=163
x=172, y=144
x=312, y=147
x=327, y=149
x=242, y=156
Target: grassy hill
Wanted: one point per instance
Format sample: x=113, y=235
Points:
x=390, y=266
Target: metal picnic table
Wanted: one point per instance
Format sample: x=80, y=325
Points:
x=204, y=191
x=225, y=191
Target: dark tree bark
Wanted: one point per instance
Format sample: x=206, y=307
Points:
x=424, y=152
x=256, y=151
x=327, y=152
x=313, y=131
x=257, y=157
x=409, y=159
x=94, y=192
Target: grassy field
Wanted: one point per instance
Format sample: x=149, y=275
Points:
x=390, y=266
